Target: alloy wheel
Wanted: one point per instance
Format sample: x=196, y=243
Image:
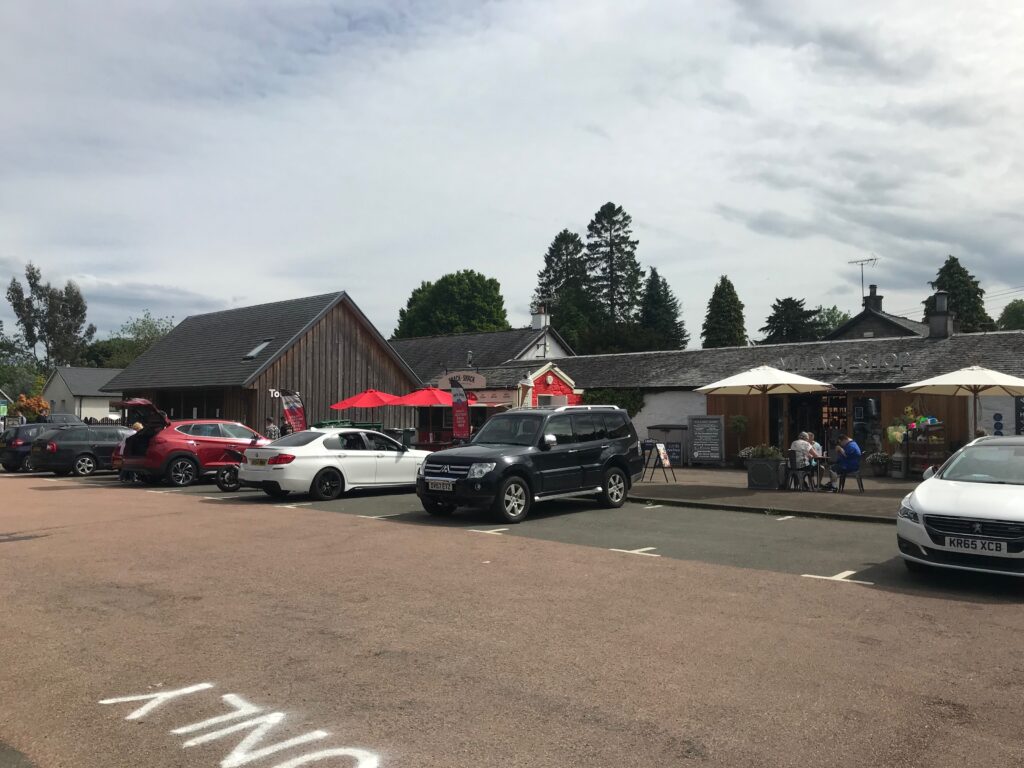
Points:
x=183, y=472
x=616, y=487
x=84, y=465
x=330, y=485
x=515, y=499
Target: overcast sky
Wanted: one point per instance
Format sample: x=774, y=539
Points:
x=187, y=156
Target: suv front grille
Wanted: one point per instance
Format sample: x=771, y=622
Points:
x=966, y=526
x=437, y=469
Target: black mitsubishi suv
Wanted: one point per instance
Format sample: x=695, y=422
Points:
x=530, y=455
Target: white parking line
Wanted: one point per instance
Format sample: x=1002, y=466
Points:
x=496, y=531
x=642, y=551
x=380, y=517
x=653, y=506
x=787, y=517
x=294, y=506
x=843, y=576
x=226, y=498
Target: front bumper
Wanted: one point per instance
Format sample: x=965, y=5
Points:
x=916, y=544
x=467, y=493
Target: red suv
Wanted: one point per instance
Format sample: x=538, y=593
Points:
x=182, y=451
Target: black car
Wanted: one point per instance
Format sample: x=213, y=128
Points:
x=531, y=455
x=16, y=445
x=78, y=448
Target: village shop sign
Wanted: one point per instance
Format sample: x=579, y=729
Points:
x=468, y=380
x=842, y=362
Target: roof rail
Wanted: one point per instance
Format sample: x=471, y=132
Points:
x=567, y=408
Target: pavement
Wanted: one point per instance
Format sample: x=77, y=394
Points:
x=164, y=627
x=727, y=489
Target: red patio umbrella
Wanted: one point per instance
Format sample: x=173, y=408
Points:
x=426, y=396
x=371, y=398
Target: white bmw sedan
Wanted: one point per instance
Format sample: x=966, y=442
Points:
x=969, y=515
x=327, y=463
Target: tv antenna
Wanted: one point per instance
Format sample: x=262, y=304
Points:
x=861, y=262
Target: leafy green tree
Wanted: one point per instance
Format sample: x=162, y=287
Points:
x=51, y=318
x=133, y=338
x=830, y=318
x=1012, y=316
x=659, y=315
x=724, y=325
x=17, y=365
x=458, y=302
x=966, y=297
x=611, y=261
x=790, y=322
x=630, y=400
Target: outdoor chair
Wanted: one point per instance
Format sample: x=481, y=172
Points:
x=856, y=475
x=801, y=476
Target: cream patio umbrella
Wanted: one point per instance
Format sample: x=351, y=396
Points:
x=764, y=380
x=970, y=381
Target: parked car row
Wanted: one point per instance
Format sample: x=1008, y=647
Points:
x=516, y=460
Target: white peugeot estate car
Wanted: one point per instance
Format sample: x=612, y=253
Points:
x=326, y=463
x=968, y=515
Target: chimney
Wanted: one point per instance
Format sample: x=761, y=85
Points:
x=541, y=318
x=873, y=300
x=940, y=321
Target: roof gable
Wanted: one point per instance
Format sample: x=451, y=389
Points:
x=430, y=356
x=211, y=350
x=905, y=325
x=85, y=382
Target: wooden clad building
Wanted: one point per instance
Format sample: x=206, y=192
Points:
x=232, y=364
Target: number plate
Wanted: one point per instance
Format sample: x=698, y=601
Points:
x=440, y=485
x=259, y=462
x=981, y=546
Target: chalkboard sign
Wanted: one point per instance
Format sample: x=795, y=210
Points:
x=707, y=439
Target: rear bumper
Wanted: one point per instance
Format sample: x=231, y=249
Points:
x=13, y=457
x=284, y=478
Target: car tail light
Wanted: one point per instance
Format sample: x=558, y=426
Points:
x=281, y=458
x=243, y=460
x=51, y=447
x=17, y=442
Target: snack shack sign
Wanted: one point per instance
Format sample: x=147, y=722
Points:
x=467, y=379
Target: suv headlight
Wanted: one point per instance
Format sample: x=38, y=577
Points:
x=907, y=512
x=476, y=471
x=419, y=469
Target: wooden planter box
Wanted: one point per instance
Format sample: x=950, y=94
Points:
x=765, y=474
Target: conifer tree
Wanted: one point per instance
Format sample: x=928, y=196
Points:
x=612, y=264
x=724, y=325
x=659, y=315
x=790, y=322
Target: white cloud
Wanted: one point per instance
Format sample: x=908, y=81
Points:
x=191, y=155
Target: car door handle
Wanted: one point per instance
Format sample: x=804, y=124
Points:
x=573, y=450
x=605, y=446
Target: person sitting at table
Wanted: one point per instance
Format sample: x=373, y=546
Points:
x=847, y=458
x=805, y=453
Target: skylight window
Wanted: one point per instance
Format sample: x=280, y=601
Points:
x=257, y=349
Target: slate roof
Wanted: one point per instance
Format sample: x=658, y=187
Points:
x=430, y=356
x=87, y=382
x=509, y=375
x=208, y=350
x=851, y=363
x=904, y=323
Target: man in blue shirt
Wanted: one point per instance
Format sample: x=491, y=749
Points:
x=848, y=458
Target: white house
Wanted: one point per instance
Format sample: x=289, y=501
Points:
x=77, y=391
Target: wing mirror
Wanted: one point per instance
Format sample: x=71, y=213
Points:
x=928, y=473
x=550, y=441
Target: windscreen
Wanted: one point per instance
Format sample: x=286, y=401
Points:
x=510, y=429
x=998, y=464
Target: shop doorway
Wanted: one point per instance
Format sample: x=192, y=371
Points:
x=822, y=413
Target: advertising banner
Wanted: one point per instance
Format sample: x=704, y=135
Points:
x=293, y=410
x=460, y=412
